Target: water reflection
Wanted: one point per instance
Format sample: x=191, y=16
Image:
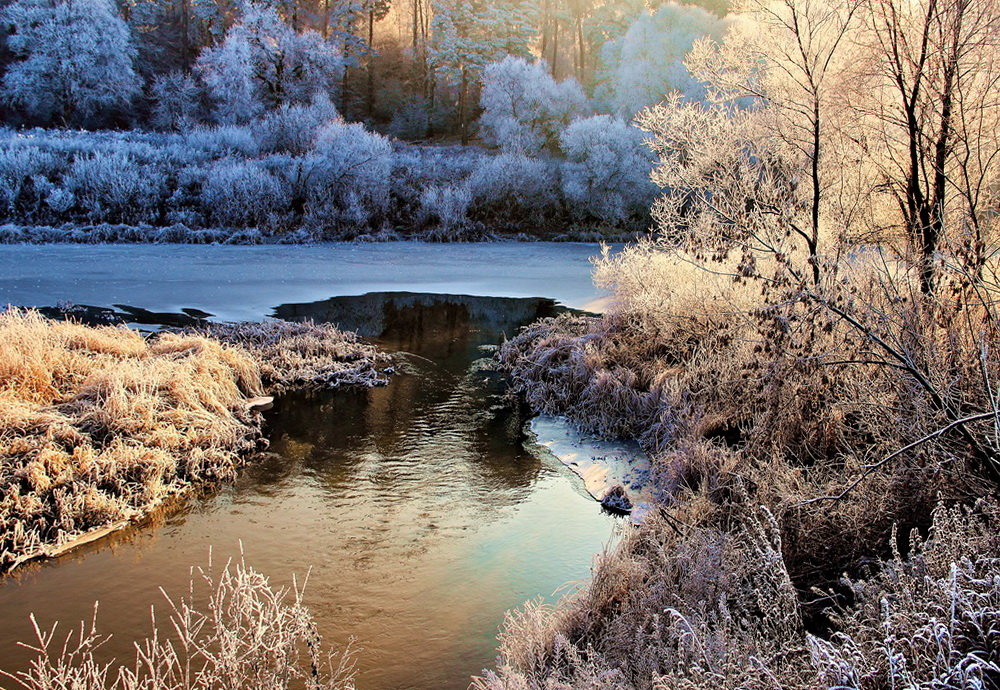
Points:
x=419, y=508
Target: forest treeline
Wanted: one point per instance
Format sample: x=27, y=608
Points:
x=185, y=120
x=412, y=68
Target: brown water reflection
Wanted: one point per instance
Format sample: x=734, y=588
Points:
x=418, y=507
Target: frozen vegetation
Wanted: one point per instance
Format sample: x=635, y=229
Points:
x=99, y=425
x=304, y=175
x=808, y=352
x=242, y=124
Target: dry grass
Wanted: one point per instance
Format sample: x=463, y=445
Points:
x=292, y=355
x=712, y=606
x=98, y=425
x=233, y=629
x=749, y=397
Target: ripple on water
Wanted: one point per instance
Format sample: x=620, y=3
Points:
x=417, y=507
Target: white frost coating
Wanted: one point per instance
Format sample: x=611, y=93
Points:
x=646, y=63
x=263, y=63
x=601, y=464
x=524, y=108
x=76, y=63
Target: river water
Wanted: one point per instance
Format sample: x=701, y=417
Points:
x=420, y=509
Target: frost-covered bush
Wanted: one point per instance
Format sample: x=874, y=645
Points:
x=348, y=176
x=263, y=63
x=223, y=140
x=176, y=101
x=524, y=108
x=19, y=168
x=293, y=128
x=606, y=177
x=639, y=68
x=445, y=208
x=76, y=61
x=514, y=192
x=932, y=620
x=410, y=121
x=115, y=187
x=239, y=193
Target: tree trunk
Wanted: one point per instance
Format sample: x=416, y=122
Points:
x=545, y=28
x=370, y=96
x=431, y=95
x=462, y=115
x=555, y=49
x=817, y=190
x=185, y=34
x=580, y=53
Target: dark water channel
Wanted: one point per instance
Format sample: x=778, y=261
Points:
x=421, y=509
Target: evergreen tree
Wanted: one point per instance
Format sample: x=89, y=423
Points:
x=469, y=34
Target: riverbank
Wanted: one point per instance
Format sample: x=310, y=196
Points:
x=232, y=185
x=100, y=424
x=107, y=233
x=803, y=480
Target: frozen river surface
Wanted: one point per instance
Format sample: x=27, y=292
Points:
x=246, y=282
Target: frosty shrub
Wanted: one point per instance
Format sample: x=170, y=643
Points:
x=263, y=63
x=293, y=128
x=239, y=193
x=513, y=192
x=445, y=208
x=223, y=140
x=76, y=65
x=646, y=63
x=607, y=174
x=410, y=121
x=524, y=108
x=348, y=176
x=115, y=187
x=176, y=101
x=18, y=166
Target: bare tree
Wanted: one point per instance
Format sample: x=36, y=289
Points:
x=774, y=92
x=931, y=107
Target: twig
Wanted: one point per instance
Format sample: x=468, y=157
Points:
x=869, y=469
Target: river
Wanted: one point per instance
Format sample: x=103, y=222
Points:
x=420, y=510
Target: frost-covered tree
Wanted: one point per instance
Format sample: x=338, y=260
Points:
x=263, y=63
x=176, y=101
x=524, y=108
x=646, y=63
x=293, y=128
x=607, y=175
x=791, y=62
x=348, y=176
x=468, y=34
x=75, y=61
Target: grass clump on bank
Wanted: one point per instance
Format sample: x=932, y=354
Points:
x=292, y=355
x=99, y=425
